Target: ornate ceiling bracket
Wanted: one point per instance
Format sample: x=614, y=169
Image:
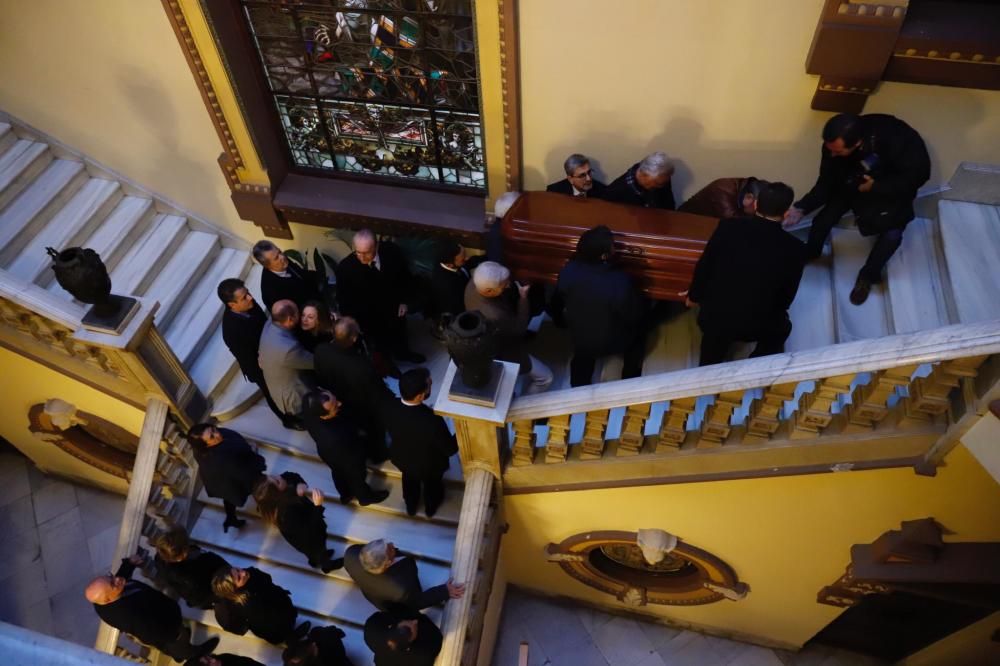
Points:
x=647, y=567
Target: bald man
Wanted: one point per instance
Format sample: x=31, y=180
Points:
x=374, y=286
x=146, y=613
x=285, y=363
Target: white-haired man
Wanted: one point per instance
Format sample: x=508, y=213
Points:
x=490, y=292
x=389, y=582
x=645, y=184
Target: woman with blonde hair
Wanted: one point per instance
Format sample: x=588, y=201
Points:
x=289, y=504
x=248, y=600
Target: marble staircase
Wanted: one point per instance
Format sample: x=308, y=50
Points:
x=51, y=196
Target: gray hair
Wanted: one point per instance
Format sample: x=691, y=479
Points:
x=656, y=165
x=504, y=203
x=574, y=162
x=490, y=275
x=374, y=556
x=363, y=234
x=261, y=248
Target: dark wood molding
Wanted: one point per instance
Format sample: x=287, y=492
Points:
x=84, y=446
x=510, y=72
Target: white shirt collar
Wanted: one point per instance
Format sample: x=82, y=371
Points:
x=410, y=404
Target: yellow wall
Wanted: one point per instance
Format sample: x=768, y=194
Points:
x=36, y=383
x=719, y=85
x=108, y=78
x=786, y=537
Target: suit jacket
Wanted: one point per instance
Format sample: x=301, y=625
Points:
x=421, y=442
x=283, y=359
x=421, y=652
x=399, y=585
x=372, y=296
x=447, y=291
x=146, y=613
x=349, y=373
x=603, y=307
x=301, y=522
x=565, y=187
x=903, y=166
x=338, y=443
x=300, y=286
x=330, y=642
x=236, y=660
x=747, y=277
x=230, y=468
x=191, y=578
x=268, y=612
x=241, y=333
x=625, y=189
x=510, y=316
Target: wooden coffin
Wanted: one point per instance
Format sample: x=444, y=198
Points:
x=659, y=248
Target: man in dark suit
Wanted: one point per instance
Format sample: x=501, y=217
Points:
x=874, y=165
x=242, y=323
x=373, y=286
x=146, y=613
x=645, y=184
x=579, y=180
x=388, y=582
x=283, y=279
x=747, y=278
x=339, y=444
x=343, y=367
x=402, y=637
x=421, y=442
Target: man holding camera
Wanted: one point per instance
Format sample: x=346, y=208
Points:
x=873, y=165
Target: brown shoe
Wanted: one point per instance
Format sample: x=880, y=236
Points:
x=862, y=287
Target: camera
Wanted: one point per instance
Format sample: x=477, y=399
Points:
x=866, y=166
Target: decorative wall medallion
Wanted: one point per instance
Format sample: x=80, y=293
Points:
x=88, y=437
x=648, y=567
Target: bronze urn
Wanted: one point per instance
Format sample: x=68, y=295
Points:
x=81, y=272
x=472, y=343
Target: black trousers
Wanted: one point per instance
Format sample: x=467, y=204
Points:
x=885, y=246
x=179, y=649
x=432, y=488
x=350, y=480
x=581, y=367
x=716, y=342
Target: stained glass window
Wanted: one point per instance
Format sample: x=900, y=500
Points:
x=379, y=87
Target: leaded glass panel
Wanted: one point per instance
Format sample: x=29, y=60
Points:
x=379, y=87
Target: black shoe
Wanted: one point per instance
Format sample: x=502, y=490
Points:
x=333, y=565
x=411, y=356
x=205, y=648
x=431, y=510
x=411, y=510
x=376, y=497
x=859, y=294
x=301, y=630
x=293, y=423
x=237, y=523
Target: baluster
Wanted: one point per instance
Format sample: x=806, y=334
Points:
x=673, y=431
x=813, y=413
x=592, y=445
x=633, y=424
x=929, y=396
x=556, y=447
x=523, y=449
x=715, y=426
x=765, y=413
x=869, y=401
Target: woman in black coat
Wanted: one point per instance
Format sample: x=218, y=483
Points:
x=324, y=646
x=229, y=468
x=297, y=510
x=186, y=568
x=247, y=599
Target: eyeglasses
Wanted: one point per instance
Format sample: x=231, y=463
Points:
x=589, y=173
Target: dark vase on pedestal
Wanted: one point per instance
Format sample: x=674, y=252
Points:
x=472, y=343
x=81, y=272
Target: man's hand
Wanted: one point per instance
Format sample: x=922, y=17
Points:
x=455, y=590
x=316, y=496
x=402, y=310
x=522, y=289
x=867, y=182
x=792, y=217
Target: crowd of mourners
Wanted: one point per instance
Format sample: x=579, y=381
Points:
x=320, y=361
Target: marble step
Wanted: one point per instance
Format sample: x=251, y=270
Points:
x=214, y=367
x=33, y=208
x=916, y=289
x=78, y=218
x=674, y=344
x=971, y=236
x=856, y=322
x=19, y=165
x=259, y=424
x=201, y=311
x=334, y=594
x=317, y=474
x=236, y=397
x=142, y=260
x=423, y=539
x=811, y=312
x=250, y=646
x=7, y=138
x=175, y=281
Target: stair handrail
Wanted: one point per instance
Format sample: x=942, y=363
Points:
x=24, y=647
x=941, y=344
x=29, y=295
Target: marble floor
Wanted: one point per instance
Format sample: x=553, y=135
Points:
x=559, y=634
x=54, y=537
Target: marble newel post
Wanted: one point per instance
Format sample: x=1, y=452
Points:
x=481, y=440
